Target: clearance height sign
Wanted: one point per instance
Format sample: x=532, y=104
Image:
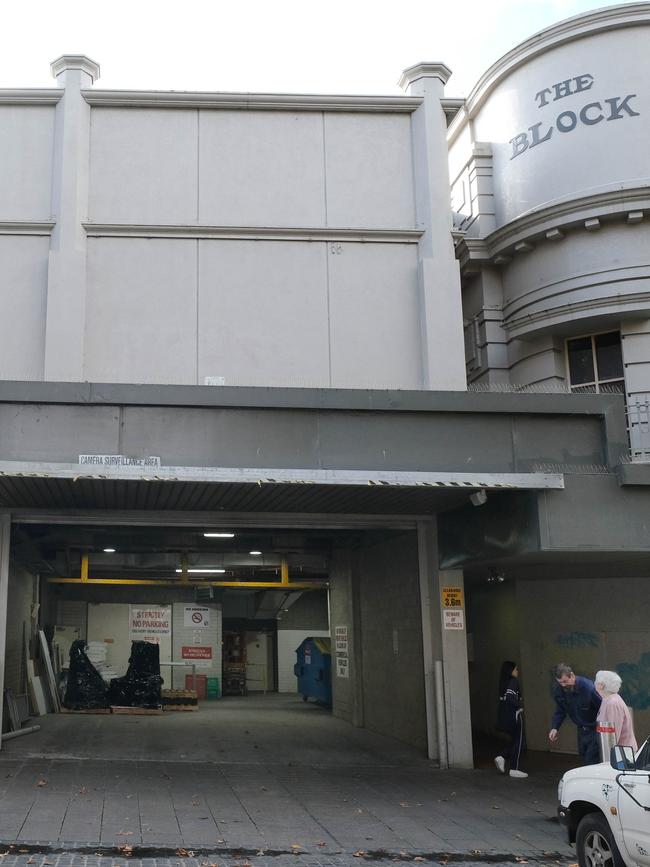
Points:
x=453, y=607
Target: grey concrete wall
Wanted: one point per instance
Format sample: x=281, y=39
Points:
x=26, y=143
x=309, y=611
x=219, y=245
x=489, y=441
x=591, y=624
x=390, y=611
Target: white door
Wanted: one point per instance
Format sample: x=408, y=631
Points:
x=635, y=821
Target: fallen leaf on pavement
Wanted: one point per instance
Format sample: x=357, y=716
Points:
x=41, y=783
x=124, y=834
x=296, y=846
x=418, y=858
x=181, y=853
x=260, y=852
x=359, y=854
x=403, y=803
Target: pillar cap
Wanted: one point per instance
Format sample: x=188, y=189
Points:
x=75, y=61
x=424, y=70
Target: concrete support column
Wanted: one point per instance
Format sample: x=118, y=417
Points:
x=431, y=640
x=5, y=535
x=66, y=279
x=456, y=676
x=347, y=691
x=438, y=275
x=446, y=675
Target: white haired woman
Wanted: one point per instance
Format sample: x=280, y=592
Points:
x=613, y=709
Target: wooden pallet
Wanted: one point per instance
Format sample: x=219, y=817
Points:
x=102, y=710
x=184, y=707
x=136, y=711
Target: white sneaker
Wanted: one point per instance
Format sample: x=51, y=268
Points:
x=500, y=762
x=518, y=774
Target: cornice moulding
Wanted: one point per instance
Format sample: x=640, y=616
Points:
x=250, y=101
x=254, y=233
x=31, y=96
x=518, y=326
x=561, y=215
x=568, y=30
x=26, y=227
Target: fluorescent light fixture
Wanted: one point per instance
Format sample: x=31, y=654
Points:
x=255, y=553
x=203, y=571
x=219, y=535
x=108, y=550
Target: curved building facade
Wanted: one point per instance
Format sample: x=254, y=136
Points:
x=550, y=178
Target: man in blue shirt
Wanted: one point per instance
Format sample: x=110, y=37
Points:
x=576, y=698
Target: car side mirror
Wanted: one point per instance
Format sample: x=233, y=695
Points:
x=622, y=758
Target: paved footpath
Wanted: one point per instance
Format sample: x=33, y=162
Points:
x=321, y=793
x=315, y=810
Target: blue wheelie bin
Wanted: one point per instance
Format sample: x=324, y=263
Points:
x=314, y=670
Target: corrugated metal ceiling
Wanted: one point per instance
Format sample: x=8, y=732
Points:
x=54, y=493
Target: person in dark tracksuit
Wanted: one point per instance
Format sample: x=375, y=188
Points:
x=576, y=697
x=510, y=720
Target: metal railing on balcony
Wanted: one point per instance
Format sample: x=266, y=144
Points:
x=638, y=425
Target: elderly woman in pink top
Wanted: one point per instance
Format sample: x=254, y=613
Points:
x=613, y=709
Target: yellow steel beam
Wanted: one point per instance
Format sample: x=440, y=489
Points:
x=84, y=568
x=284, y=570
x=172, y=582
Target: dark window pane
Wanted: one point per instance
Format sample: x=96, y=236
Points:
x=581, y=362
x=608, y=355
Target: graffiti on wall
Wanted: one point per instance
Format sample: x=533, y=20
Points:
x=635, y=690
x=572, y=640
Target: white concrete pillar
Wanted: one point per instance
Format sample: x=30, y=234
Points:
x=455, y=670
x=5, y=535
x=441, y=319
x=66, y=283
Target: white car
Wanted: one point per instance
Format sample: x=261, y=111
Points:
x=606, y=809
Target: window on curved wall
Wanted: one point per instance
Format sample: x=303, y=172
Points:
x=595, y=363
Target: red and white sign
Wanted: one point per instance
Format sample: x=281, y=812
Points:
x=193, y=652
x=196, y=616
x=149, y=623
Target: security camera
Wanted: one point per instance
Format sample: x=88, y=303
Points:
x=478, y=498
x=495, y=576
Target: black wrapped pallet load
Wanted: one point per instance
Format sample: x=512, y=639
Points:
x=140, y=686
x=85, y=689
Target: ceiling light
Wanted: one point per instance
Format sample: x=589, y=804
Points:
x=255, y=553
x=204, y=571
x=109, y=550
x=219, y=535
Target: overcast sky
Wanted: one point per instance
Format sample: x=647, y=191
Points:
x=297, y=46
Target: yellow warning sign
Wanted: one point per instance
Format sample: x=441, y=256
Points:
x=452, y=597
